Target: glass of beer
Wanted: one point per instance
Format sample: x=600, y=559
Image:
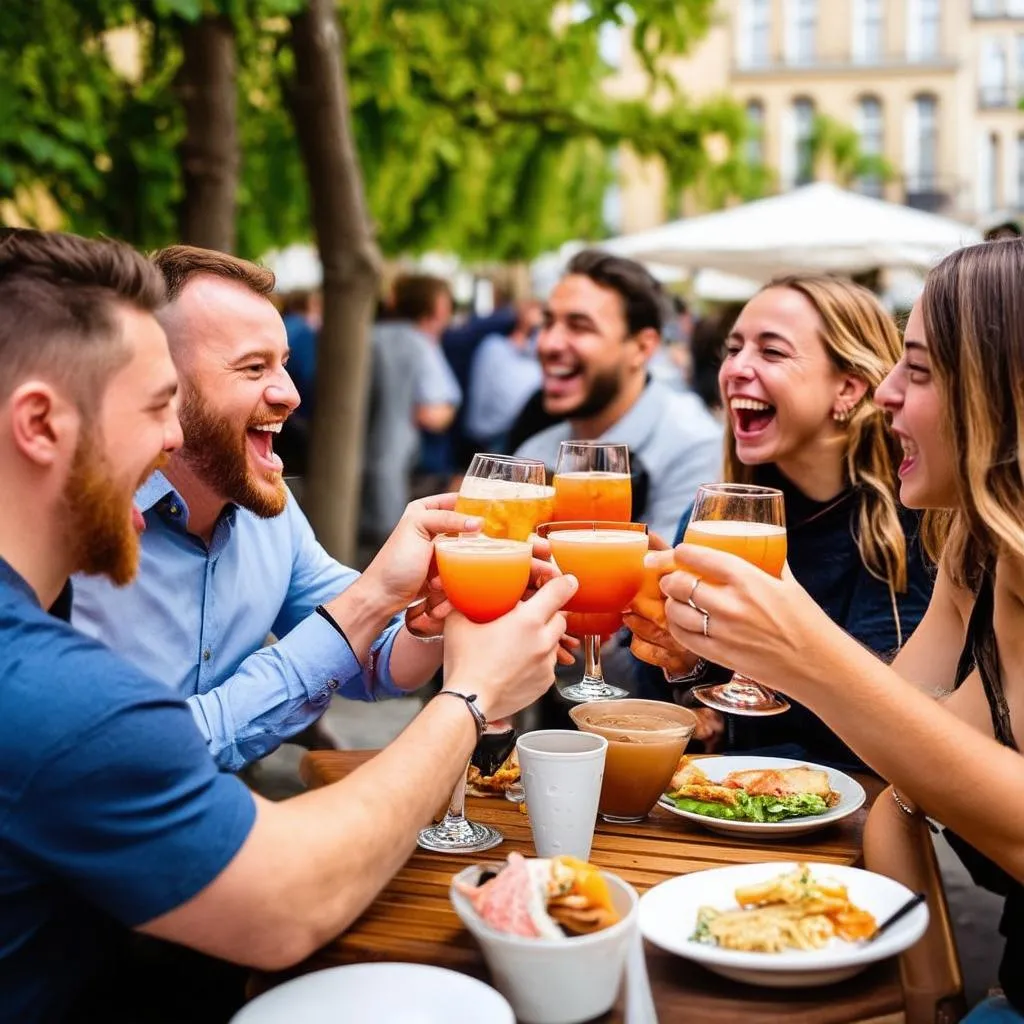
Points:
x=607, y=558
x=592, y=482
x=511, y=495
x=750, y=522
x=483, y=577
x=646, y=738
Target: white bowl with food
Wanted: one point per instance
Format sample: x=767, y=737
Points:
x=761, y=796
x=781, y=925
x=555, y=933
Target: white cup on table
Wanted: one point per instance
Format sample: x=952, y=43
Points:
x=561, y=771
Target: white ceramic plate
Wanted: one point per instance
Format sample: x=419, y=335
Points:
x=851, y=796
x=385, y=993
x=668, y=917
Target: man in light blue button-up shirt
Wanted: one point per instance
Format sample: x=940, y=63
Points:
x=227, y=555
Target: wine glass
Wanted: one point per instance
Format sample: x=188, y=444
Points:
x=484, y=578
x=748, y=521
x=607, y=558
x=510, y=494
x=592, y=482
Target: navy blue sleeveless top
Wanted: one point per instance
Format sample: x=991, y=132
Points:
x=980, y=652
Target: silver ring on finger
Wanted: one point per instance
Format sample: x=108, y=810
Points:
x=707, y=624
x=693, y=590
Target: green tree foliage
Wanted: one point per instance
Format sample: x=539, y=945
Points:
x=838, y=144
x=483, y=126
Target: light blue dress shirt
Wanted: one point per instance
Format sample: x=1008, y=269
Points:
x=197, y=618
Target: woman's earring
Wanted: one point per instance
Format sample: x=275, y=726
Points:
x=840, y=415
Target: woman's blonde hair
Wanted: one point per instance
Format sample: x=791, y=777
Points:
x=973, y=306
x=862, y=340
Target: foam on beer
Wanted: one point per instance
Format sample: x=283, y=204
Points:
x=618, y=537
x=735, y=528
x=486, y=489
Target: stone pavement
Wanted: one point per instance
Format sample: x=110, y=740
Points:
x=360, y=725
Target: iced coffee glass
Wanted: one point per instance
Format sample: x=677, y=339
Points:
x=645, y=741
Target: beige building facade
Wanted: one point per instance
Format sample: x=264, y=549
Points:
x=933, y=86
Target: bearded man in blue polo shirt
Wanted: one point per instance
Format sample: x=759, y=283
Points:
x=113, y=815
x=228, y=556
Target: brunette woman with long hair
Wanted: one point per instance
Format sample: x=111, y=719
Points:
x=943, y=722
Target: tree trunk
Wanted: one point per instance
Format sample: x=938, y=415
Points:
x=318, y=96
x=209, y=152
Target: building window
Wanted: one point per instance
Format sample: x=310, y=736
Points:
x=922, y=146
x=755, y=133
x=1015, y=8
x=868, y=31
x=993, y=74
x=988, y=174
x=924, y=29
x=801, y=151
x=801, y=31
x=871, y=132
x=985, y=8
x=755, y=33
x=1020, y=171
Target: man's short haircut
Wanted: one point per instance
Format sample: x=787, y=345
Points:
x=415, y=296
x=179, y=264
x=59, y=297
x=643, y=299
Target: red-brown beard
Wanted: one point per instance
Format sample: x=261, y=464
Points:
x=218, y=454
x=99, y=529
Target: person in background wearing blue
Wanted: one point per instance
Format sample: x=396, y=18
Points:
x=801, y=366
x=505, y=374
x=119, y=834
x=228, y=557
x=602, y=323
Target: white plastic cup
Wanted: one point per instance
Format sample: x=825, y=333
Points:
x=562, y=771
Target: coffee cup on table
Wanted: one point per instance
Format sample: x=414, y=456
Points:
x=561, y=771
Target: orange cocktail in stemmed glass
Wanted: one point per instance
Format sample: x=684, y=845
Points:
x=750, y=522
x=592, y=482
x=484, y=578
x=608, y=560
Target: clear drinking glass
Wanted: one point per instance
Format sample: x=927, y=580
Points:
x=607, y=558
x=748, y=521
x=485, y=577
x=592, y=482
x=512, y=495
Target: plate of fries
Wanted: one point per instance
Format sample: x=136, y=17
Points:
x=781, y=925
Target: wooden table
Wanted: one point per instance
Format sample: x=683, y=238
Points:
x=412, y=919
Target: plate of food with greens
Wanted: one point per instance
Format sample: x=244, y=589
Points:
x=766, y=796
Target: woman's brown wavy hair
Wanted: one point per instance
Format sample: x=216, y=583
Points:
x=862, y=340
x=973, y=308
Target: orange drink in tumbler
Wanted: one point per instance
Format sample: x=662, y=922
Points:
x=595, y=495
x=484, y=578
x=508, y=508
x=609, y=564
x=762, y=544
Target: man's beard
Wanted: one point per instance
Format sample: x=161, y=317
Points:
x=218, y=454
x=604, y=389
x=99, y=528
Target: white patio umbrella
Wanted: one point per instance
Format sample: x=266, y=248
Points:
x=817, y=227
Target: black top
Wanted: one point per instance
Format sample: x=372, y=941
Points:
x=823, y=556
x=980, y=651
